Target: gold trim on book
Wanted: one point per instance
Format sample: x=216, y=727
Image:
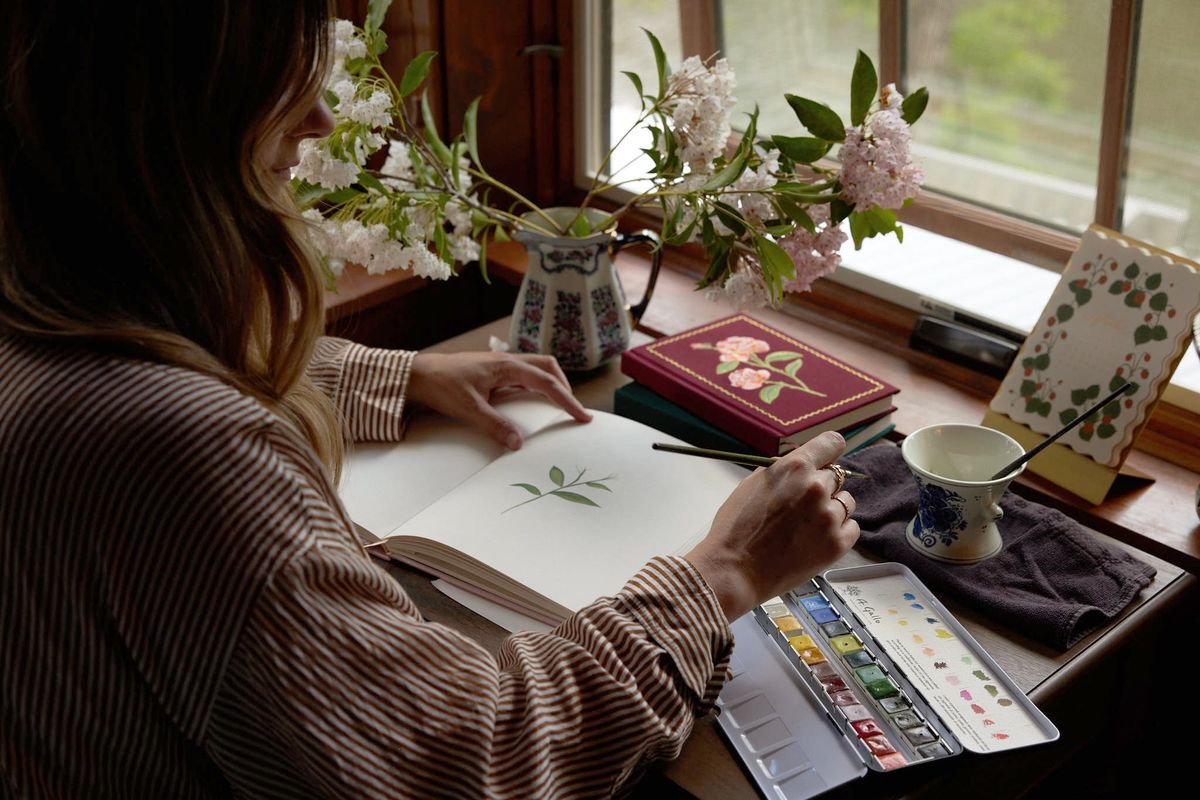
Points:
x=652, y=350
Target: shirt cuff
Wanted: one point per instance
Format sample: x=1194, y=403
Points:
x=680, y=612
x=368, y=385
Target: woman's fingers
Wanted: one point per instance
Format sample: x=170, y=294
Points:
x=543, y=375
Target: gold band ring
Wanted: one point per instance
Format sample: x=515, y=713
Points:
x=839, y=473
x=845, y=507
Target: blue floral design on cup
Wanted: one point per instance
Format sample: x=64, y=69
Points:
x=939, y=515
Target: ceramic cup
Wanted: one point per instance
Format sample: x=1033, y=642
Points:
x=959, y=503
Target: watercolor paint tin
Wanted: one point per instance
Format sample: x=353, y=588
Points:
x=879, y=657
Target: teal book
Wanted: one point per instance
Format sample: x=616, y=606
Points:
x=638, y=403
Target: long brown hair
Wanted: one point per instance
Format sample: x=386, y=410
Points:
x=131, y=217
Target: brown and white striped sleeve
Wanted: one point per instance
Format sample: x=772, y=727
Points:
x=336, y=688
x=367, y=384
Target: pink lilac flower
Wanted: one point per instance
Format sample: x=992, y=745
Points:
x=748, y=379
x=876, y=167
x=815, y=255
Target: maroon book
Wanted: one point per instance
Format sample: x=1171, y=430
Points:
x=757, y=384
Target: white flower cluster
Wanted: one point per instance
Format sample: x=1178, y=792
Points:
x=744, y=288
x=700, y=101
x=372, y=247
x=374, y=111
x=319, y=167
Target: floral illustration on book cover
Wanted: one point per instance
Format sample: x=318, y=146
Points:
x=1120, y=313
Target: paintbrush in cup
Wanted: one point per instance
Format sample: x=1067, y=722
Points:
x=745, y=459
x=1049, y=440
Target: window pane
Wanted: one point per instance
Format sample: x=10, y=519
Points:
x=1162, y=201
x=629, y=51
x=1017, y=89
x=778, y=46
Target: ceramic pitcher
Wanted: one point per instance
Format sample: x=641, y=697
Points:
x=571, y=304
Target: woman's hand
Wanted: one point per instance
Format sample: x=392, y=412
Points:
x=780, y=527
x=462, y=385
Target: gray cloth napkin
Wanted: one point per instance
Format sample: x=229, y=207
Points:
x=1053, y=581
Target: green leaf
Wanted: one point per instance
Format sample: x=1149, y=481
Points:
x=341, y=196
x=660, y=62
x=859, y=229
x=1158, y=301
x=1112, y=409
x=1158, y=333
x=1141, y=335
x=556, y=475
x=1154, y=281
x=431, y=135
x=793, y=367
x=376, y=11
x=1032, y=404
x=838, y=210
x=1042, y=361
x=1094, y=391
x=775, y=258
x=1116, y=383
x=1027, y=362
x=730, y=217
x=727, y=366
x=781, y=355
x=1082, y=296
x=1105, y=431
x=1044, y=409
x=1066, y=415
x=1064, y=312
x=1028, y=388
x=378, y=43
x=371, y=182
x=1078, y=397
x=1116, y=287
x=580, y=227
x=768, y=394
x=913, y=106
x=483, y=244
x=575, y=498
x=528, y=487
x=864, y=82
x=1085, y=434
x=796, y=213
x=598, y=485
x=1132, y=270
x=801, y=149
x=820, y=120
x=470, y=120
x=636, y=80
x=415, y=72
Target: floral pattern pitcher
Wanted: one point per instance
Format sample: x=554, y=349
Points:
x=571, y=304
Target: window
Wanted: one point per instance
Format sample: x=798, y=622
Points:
x=1044, y=118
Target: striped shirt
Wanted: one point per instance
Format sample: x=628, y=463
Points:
x=185, y=612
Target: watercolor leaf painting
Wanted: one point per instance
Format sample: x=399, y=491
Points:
x=562, y=489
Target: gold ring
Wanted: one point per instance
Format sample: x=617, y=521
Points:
x=839, y=472
x=845, y=508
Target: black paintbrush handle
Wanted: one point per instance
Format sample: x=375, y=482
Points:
x=1049, y=440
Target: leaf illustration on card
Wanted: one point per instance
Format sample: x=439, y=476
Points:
x=1004, y=701
x=561, y=489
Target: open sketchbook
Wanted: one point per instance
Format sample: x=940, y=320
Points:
x=544, y=530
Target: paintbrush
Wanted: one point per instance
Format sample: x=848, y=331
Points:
x=1054, y=436
x=745, y=459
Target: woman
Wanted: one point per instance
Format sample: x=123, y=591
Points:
x=185, y=609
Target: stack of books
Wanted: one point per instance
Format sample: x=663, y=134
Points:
x=737, y=384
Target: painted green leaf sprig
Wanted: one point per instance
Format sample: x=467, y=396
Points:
x=562, y=489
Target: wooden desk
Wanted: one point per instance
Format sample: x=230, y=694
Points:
x=1065, y=685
